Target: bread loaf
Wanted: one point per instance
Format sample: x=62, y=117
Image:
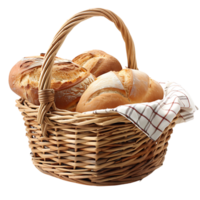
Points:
x=69, y=80
x=98, y=62
x=117, y=88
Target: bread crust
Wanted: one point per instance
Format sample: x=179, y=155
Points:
x=118, y=88
x=98, y=62
x=69, y=80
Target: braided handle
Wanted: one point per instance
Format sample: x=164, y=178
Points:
x=45, y=77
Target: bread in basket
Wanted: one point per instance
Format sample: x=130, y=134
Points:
x=91, y=149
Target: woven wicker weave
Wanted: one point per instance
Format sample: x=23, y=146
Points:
x=91, y=149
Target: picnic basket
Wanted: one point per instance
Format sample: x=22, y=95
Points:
x=92, y=149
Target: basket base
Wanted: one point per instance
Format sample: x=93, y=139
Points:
x=139, y=179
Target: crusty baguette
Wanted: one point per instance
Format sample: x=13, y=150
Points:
x=117, y=88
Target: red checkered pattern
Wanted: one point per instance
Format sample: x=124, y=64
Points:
x=152, y=118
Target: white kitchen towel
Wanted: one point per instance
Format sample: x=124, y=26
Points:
x=153, y=117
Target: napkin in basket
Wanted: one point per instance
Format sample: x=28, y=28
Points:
x=153, y=117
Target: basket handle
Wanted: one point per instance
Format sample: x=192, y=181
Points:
x=46, y=95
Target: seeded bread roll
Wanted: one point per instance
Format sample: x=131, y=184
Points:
x=118, y=88
x=98, y=62
x=69, y=81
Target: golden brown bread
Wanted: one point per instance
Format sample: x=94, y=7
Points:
x=98, y=62
x=117, y=88
x=69, y=80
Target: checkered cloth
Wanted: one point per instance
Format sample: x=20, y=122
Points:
x=152, y=118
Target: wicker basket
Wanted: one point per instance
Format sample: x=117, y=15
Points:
x=91, y=149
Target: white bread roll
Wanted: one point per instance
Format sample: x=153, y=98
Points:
x=118, y=88
x=69, y=81
x=97, y=62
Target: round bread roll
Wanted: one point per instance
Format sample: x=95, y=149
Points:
x=97, y=62
x=118, y=88
x=69, y=80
